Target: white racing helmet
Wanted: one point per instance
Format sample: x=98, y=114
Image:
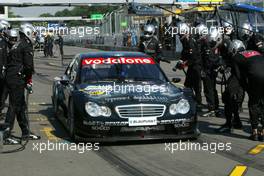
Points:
x=247, y=29
x=149, y=30
x=227, y=23
x=29, y=31
x=4, y=25
x=236, y=46
x=228, y=26
x=13, y=35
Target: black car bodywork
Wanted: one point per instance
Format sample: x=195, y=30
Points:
x=134, y=115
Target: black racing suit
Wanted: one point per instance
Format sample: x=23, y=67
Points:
x=152, y=47
x=60, y=42
x=233, y=95
x=45, y=50
x=50, y=46
x=249, y=71
x=3, y=59
x=210, y=62
x=191, y=54
x=20, y=67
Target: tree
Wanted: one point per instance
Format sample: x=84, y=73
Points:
x=64, y=12
x=84, y=11
x=11, y=14
x=46, y=15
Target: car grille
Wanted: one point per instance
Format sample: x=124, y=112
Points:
x=141, y=110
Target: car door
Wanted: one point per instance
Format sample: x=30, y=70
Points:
x=72, y=76
x=65, y=79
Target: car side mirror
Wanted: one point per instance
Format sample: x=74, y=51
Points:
x=64, y=80
x=176, y=80
x=57, y=79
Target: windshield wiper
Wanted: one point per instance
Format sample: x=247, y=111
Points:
x=98, y=77
x=147, y=79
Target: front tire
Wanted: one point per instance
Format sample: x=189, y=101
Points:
x=55, y=103
x=71, y=121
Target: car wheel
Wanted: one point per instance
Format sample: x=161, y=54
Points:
x=55, y=103
x=71, y=123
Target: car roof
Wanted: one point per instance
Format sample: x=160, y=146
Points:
x=107, y=54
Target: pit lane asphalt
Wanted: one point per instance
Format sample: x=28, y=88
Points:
x=130, y=158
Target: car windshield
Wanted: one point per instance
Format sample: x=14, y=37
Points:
x=121, y=70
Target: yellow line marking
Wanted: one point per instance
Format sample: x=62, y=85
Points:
x=50, y=136
x=238, y=171
x=258, y=149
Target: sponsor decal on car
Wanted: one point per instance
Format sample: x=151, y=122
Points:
x=121, y=60
x=99, y=123
x=143, y=121
x=100, y=128
x=175, y=121
x=148, y=128
x=113, y=99
x=147, y=121
x=181, y=125
x=94, y=90
x=150, y=98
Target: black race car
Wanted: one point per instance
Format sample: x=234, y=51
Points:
x=115, y=96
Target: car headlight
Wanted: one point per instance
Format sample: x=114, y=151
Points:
x=182, y=107
x=173, y=109
x=95, y=110
x=92, y=109
x=105, y=111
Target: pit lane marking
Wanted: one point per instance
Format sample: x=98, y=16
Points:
x=52, y=64
x=256, y=150
x=50, y=136
x=40, y=103
x=238, y=171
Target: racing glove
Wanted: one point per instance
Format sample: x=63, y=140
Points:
x=181, y=64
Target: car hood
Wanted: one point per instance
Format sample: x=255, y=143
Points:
x=132, y=93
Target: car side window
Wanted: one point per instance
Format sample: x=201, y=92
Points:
x=74, y=70
x=69, y=68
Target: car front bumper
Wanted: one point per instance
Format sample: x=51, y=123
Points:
x=107, y=133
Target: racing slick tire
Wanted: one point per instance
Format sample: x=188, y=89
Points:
x=55, y=108
x=71, y=124
x=1, y=141
x=55, y=103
